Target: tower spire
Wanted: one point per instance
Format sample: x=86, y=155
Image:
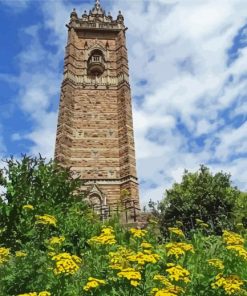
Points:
x=97, y=4
x=97, y=9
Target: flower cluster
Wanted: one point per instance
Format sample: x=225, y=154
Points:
x=142, y=259
x=120, y=259
x=20, y=254
x=238, y=250
x=4, y=254
x=177, y=273
x=66, y=263
x=56, y=240
x=43, y=293
x=106, y=237
x=231, y=284
x=216, y=263
x=130, y=274
x=138, y=233
x=93, y=283
x=162, y=279
x=235, y=243
x=46, y=220
x=167, y=289
x=178, y=249
x=146, y=245
x=232, y=238
x=123, y=258
x=177, y=231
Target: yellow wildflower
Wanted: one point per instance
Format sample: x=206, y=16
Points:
x=46, y=220
x=66, y=263
x=4, y=254
x=232, y=238
x=93, y=283
x=163, y=292
x=216, y=263
x=178, y=273
x=168, y=291
x=119, y=259
x=130, y=274
x=134, y=283
x=138, y=233
x=146, y=245
x=20, y=254
x=28, y=207
x=106, y=237
x=176, y=231
x=163, y=279
x=29, y=294
x=142, y=258
x=239, y=249
x=56, y=240
x=178, y=249
x=231, y=284
x=43, y=293
x=107, y=230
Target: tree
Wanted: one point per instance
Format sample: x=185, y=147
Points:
x=240, y=209
x=201, y=195
x=44, y=186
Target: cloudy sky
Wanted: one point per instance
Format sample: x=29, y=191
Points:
x=188, y=66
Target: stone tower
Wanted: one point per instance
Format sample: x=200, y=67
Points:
x=95, y=128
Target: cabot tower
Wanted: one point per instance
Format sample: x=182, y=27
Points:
x=95, y=128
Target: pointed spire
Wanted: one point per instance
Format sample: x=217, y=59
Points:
x=120, y=17
x=97, y=8
x=97, y=4
x=73, y=14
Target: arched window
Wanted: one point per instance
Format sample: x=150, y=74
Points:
x=96, y=63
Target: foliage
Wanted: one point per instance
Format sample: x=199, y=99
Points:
x=200, y=195
x=240, y=210
x=47, y=187
x=111, y=260
x=61, y=249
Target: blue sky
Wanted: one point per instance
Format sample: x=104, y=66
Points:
x=188, y=66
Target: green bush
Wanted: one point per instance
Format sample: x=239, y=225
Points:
x=59, y=248
x=200, y=195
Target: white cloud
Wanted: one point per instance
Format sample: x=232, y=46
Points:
x=232, y=142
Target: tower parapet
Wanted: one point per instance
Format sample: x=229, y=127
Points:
x=96, y=19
